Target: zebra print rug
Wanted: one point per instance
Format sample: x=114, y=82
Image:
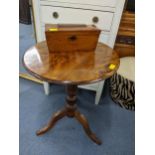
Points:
x=122, y=91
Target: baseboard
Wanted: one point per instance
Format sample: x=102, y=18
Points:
x=29, y=77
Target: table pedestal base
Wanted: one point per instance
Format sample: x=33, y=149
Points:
x=70, y=110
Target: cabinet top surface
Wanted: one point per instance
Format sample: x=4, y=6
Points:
x=81, y=67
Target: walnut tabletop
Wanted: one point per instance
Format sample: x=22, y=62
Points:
x=81, y=67
x=71, y=69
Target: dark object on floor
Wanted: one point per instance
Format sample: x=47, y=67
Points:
x=75, y=37
x=24, y=12
x=122, y=84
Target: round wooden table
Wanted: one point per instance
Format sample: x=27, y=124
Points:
x=71, y=69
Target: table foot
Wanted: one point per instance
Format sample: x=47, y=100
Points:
x=83, y=121
x=70, y=111
x=57, y=116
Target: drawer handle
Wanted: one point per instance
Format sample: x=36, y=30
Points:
x=55, y=15
x=72, y=38
x=95, y=19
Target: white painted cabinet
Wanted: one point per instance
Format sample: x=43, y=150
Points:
x=76, y=16
x=105, y=14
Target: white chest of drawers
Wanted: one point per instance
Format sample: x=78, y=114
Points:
x=105, y=14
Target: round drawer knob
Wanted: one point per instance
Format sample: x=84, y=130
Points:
x=95, y=19
x=55, y=15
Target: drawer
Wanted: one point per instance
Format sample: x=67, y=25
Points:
x=55, y=15
x=105, y=3
x=102, y=38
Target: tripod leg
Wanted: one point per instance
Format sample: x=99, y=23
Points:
x=57, y=116
x=81, y=118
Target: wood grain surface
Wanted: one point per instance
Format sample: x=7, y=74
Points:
x=71, y=67
x=75, y=37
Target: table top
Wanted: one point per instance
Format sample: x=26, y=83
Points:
x=78, y=67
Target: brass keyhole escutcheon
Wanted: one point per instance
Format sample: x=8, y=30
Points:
x=72, y=38
x=95, y=19
x=55, y=15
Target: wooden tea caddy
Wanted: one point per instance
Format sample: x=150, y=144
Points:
x=71, y=37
